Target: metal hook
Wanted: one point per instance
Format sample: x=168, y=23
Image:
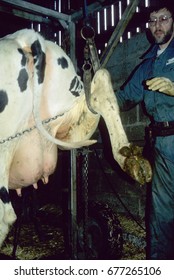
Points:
x=87, y=32
x=87, y=66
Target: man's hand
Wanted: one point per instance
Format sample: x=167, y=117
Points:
x=161, y=84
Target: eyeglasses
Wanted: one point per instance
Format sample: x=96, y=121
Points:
x=162, y=20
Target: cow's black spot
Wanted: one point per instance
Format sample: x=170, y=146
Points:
x=3, y=100
x=23, y=79
x=39, y=60
x=24, y=59
x=62, y=62
x=75, y=86
x=4, y=195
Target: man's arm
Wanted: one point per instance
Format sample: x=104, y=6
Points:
x=133, y=91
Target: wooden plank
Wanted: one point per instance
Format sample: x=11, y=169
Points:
x=32, y=8
x=118, y=32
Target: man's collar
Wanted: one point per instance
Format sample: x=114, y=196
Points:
x=152, y=51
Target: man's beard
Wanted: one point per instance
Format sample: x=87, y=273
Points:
x=164, y=39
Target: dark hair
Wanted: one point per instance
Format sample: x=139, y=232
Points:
x=157, y=5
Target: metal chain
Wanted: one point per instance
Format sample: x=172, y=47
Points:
x=18, y=134
x=85, y=195
x=82, y=171
x=90, y=55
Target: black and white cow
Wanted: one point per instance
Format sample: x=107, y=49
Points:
x=42, y=107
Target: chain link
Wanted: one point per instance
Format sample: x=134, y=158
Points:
x=18, y=134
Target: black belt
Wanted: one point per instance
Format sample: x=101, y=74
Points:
x=162, y=128
x=164, y=125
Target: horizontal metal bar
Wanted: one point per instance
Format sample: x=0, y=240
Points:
x=33, y=8
x=26, y=15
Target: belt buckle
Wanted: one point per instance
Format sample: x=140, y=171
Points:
x=166, y=124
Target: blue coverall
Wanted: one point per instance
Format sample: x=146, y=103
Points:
x=160, y=107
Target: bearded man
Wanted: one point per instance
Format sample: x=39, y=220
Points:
x=153, y=84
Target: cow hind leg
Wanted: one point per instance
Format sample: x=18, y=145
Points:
x=104, y=102
x=7, y=214
x=4, y=228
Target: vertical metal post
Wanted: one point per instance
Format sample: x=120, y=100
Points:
x=73, y=193
x=84, y=189
x=72, y=44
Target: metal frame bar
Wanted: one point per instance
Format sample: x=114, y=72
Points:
x=33, y=9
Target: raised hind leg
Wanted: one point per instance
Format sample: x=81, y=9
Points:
x=129, y=157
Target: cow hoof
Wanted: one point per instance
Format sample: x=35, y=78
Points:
x=135, y=165
x=139, y=169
